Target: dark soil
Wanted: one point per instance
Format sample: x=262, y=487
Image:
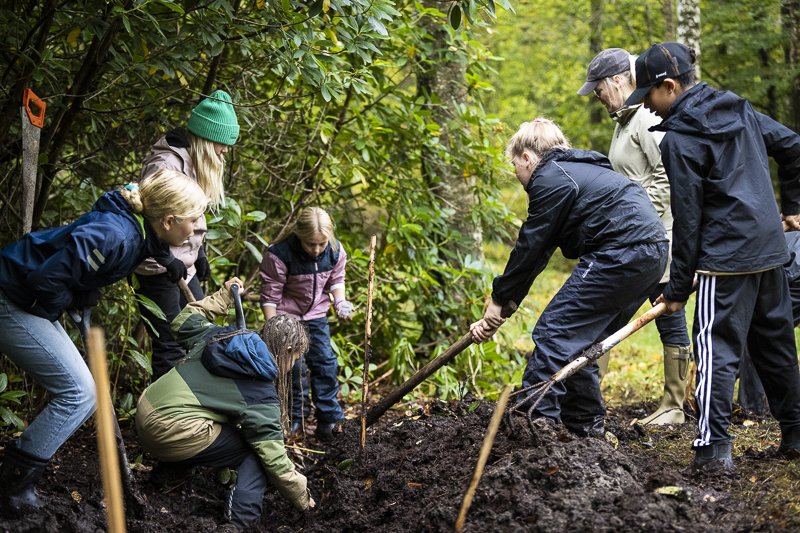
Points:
x=415, y=469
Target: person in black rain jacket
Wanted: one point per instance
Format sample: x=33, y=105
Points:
x=728, y=231
x=579, y=204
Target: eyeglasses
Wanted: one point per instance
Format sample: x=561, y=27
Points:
x=598, y=92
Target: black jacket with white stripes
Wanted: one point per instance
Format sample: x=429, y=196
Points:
x=716, y=151
x=579, y=204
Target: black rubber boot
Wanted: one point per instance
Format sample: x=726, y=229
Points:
x=714, y=457
x=297, y=428
x=586, y=427
x=326, y=431
x=790, y=443
x=18, y=477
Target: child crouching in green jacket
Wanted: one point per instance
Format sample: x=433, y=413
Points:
x=220, y=406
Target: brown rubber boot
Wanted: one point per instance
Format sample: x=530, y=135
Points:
x=677, y=361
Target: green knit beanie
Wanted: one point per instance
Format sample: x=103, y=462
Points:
x=215, y=120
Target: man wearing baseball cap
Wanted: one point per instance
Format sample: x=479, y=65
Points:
x=727, y=229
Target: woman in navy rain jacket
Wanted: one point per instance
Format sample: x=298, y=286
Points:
x=579, y=204
x=50, y=271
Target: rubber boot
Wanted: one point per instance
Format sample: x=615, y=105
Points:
x=325, y=431
x=677, y=362
x=602, y=366
x=297, y=428
x=586, y=427
x=18, y=477
x=713, y=457
x=790, y=443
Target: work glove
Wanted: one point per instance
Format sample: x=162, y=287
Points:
x=83, y=299
x=344, y=309
x=202, y=266
x=176, y=270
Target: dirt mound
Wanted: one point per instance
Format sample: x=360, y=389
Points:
x=411, y=477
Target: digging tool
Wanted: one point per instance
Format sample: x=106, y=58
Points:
x=106, y=423
x=31, y=131
x=589, y=355
x=237, y=302
x=134, y=499
x=438, y=362
x=186, y=291
x=368, y=339
x=488, y=441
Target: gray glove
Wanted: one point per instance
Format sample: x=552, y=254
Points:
x=344, y=309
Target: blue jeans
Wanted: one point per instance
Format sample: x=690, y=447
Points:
x=323, y=368
x=45, y=352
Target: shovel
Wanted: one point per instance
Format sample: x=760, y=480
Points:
x=132, y=496
x=438, y=362
x=31, y=131
x=237, y=302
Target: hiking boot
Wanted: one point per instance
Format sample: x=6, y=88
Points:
x=18, y=476
x=591, y=427
x=326, y=431
x=677, y=362
x=714, y=457
x=790, y=443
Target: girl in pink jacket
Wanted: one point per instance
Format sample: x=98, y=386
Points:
x=298, y=274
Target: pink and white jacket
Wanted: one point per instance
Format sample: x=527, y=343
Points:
x=298, y=284
x=172, y=152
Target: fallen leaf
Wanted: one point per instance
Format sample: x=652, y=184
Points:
x=709, y=498
x=748, y=423
x=676, y=492
x=368, y=483
x=563, y=437
x=414, y=484
x=753, y=479
x=552, y=471
x=75, y=496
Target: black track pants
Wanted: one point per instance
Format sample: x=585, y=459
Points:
x=734, y=312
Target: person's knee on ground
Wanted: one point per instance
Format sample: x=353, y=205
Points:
x=677, y=363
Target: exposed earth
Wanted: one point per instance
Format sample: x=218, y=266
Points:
x=417, y=464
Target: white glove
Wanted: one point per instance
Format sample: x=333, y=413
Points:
x=344, y=309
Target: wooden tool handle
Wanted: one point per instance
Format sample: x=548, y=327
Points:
x=186, y=291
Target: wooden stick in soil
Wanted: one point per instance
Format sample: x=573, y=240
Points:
x=109, y=465
x=488, y=441
x=368, y=339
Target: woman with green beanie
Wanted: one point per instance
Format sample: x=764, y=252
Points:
x=196, y=151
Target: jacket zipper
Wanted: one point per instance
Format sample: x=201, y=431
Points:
x=314, y=292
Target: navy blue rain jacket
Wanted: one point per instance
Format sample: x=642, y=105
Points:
x=793, y=266
x=715, y=151
x=41, y=272
x=579, y=204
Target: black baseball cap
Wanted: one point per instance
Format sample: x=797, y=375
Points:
x=660, y=61
x=609, y=62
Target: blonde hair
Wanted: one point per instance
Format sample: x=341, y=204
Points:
x=309, y=222
x=209, y=168
x=537, y=136
x=166, y=192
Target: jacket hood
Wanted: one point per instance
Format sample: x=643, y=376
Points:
x=114, y=202
x=297, y=247
x=705, y=112
x=624, y=113
x=572, y=155
x=243, y=356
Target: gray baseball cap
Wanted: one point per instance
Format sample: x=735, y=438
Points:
x=609, y=62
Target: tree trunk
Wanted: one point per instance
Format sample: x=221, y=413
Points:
x=668, y=9
x=595, y=47
x=447, y=79
x=790, y=10
x=688, y=30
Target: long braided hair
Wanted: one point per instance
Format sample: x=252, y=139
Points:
x=285, y=336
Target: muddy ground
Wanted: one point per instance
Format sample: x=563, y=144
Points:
x=416, y=466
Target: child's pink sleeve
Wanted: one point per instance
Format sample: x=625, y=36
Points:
x=273, y=278
x=336, y=279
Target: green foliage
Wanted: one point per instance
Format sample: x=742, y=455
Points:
x=331, y=116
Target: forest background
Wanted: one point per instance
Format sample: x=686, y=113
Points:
x=391, y=115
